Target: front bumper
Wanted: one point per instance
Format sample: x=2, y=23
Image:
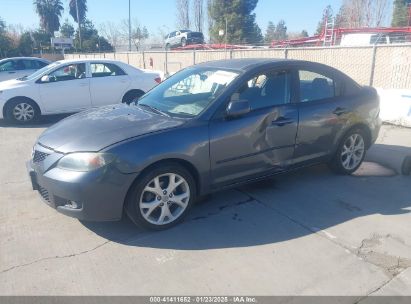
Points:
x=91, y=196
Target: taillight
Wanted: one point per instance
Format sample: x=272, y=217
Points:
x=158, y=80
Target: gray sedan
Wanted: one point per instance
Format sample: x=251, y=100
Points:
x=209, y=127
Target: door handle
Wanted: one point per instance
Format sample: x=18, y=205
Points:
x=11, y=72
x=282, y=121
x=340, y=111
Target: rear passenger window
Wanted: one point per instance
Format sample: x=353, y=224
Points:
x=314, y=86
x=105, y=70
x=267, y=90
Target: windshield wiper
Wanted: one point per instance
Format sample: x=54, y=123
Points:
x=22, y=78
x=154, y=109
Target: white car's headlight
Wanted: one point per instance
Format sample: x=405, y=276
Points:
x=84, y=162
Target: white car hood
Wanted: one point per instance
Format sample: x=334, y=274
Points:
x=11, y=84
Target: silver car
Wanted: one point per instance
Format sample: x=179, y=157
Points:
x=209, y=127
x=13, y=68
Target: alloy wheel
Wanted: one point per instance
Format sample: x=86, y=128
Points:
x=164, y=199
x=352, y=152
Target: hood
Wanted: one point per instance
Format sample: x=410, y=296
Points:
x=10, y=84
x=96, y=129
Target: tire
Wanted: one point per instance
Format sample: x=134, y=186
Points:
x=157, y=209
x=22, y=111
x=183, y=42
x=350, y=153
x=168, y=47
x=132, y=96
x=406, y=166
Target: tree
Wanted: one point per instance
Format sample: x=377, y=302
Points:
x=113, y=34
x=240, y=21
x=183, y=14
x=281, y=30
x=304, y=33
x=91, y=40
x=26, y=44
x=270, y=34
x=6, y=45
x=82, y=10
x=198, y=14
x=363, y=13
x=327, y=17
x=400, y=15
x=67, y=29
x=49, y=12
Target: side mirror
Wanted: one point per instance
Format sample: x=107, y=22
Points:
x=238, y=108
x=45, y=78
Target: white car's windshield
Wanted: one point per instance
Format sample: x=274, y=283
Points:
x=188, y=93
x=40, y=72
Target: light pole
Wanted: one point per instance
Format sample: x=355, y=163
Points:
x=129, y=25
x=78, y=21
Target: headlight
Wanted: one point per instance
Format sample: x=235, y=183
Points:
x=84, y=162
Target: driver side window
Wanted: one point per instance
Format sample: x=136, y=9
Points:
x=267, y=90
x=69, y=72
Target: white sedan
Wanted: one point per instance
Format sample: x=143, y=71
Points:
x=17, y=67
x=70, y=86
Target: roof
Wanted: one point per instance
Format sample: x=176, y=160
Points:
x=26, y=58
x=89, y=60
x=243, y=64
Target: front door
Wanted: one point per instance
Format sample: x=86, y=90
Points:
x=68, y=89
x=260, y=142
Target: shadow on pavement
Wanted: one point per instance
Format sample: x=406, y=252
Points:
x=289, y=206
x=44, y=122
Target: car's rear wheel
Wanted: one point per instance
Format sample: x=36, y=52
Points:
x=168, y=47
x=183, y=42
x=350, y=153
x=22, y=111
x=162, y=197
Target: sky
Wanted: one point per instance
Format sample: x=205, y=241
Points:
x=298, y=14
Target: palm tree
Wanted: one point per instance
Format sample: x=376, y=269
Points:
x=49, y=12
x=82, y=9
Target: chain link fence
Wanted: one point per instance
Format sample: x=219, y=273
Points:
x=383, y=66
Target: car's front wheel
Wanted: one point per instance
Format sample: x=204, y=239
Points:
x=183, y=42
x=162, y=197
x=22, y=111
x=350, y=153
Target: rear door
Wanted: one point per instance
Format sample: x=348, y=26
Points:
x=108, y=83
x=323, y=112
x=262, y=141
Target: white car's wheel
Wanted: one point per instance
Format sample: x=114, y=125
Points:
x=22, y=111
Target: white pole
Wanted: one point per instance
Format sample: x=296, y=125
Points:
x=78, y=21
x=129, y=25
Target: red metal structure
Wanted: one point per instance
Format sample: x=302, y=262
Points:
x=338, y=33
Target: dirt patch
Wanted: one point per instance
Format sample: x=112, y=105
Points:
x=387, y=252
x=369, y=169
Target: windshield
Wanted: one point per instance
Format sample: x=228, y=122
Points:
x=40, y=72
x=188, y=93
